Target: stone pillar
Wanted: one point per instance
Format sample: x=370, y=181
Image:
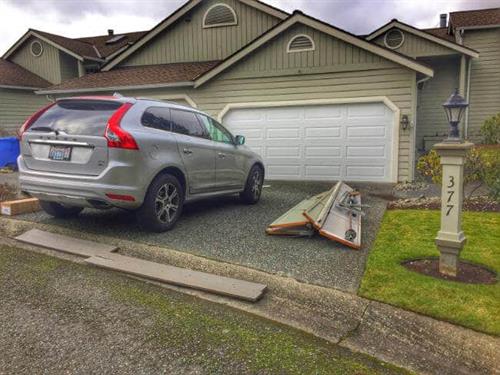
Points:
x=450, y=239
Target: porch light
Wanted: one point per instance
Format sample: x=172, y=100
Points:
x=454, y=108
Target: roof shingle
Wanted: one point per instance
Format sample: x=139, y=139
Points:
x=440, y=32
x=14, y=75
x=137, y=76
x=108, y=49
x=480, y=17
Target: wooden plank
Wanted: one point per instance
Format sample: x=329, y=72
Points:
x=20, y=206
x=65, y=244
x=226, y=286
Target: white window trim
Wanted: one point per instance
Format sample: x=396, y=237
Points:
x=205, y=26
x=402, y=39
x=288, y=50
x=41, y=48
x=369, y=99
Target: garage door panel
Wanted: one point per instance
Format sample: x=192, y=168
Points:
x=321, y=142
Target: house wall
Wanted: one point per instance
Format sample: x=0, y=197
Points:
x=16, y=106
x=484, y=99
x=416, y=46
x=189, y=41
x=69, y=66
x=431, y=119
x=47, y=66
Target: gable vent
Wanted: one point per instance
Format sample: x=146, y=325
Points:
x=219, y=15
x=300, y=43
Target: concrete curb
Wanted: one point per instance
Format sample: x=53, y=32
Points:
x=397, y=336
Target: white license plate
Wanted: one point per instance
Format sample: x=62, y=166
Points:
x=62, y=153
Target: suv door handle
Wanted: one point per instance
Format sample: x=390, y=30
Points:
x=187, y=151
x=221, y=155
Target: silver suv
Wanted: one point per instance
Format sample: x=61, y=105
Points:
x=137, y=154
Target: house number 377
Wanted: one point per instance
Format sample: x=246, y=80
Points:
x=451, y=192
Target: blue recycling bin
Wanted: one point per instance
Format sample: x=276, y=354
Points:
x=9, y=151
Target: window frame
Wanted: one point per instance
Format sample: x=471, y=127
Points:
x=169, y=118
x=206, y=135
x=41, y=48
x=220, y=127
x=402, y=38
x=312, y=48
x=234, y=23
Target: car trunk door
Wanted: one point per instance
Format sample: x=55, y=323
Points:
x=69, y=138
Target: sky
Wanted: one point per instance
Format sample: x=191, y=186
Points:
x=77, y=18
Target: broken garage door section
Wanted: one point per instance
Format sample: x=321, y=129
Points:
x=334, y=214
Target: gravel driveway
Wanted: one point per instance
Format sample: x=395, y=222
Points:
x=225, y=229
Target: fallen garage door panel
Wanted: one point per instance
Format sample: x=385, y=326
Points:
x=64, y=243
x=226, y=286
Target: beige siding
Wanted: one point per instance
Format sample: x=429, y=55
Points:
x=416, y=46
x=431, y=119
x=189, y=41
x=69, y=66
x=47, y=65
x=16, y=106
x=485, y=77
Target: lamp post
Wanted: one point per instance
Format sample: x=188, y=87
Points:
x=450, y=238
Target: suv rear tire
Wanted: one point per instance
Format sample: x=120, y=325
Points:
x=162, y=204
x=59, y=210
x=253, y=187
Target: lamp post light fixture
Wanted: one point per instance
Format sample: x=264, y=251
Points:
x=455, y=108
x=451, y=239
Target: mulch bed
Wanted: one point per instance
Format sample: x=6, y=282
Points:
x=467, y=273
x=480, y=203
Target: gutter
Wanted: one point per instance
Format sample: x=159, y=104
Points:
x=19, y=87
x=117, y=88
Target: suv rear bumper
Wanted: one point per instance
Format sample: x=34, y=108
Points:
x=82, y=191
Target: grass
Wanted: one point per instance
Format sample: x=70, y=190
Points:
x=205, y=335
x=409, y=234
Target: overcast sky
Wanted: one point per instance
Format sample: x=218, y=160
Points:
x=76, y=18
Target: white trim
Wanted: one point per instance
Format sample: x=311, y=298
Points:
x=263, y=7
x=402, y=38
x=19, y=87
x=185, y=97
x=117, y=88
x=288, y=50
x=300, y=18
x=41, y=48
x=233, y=23
x=424, y=35
x=369, y=99
x=494, y=26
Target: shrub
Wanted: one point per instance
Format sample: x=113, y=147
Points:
x=482, y=166
x=490, y=130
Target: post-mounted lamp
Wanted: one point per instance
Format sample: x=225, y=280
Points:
x=454, y=108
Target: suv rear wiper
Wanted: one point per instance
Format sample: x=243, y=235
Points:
x=42, y=129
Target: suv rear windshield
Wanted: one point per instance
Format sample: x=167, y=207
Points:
x=77, y=117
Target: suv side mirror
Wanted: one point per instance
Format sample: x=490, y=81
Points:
x=239, y=140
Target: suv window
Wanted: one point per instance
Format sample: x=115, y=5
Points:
x=185, y=122
x=157, y=118
x=77, y=117
x=217, y=132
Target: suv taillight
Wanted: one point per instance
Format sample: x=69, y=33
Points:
x=116, y=136
x=32, y=119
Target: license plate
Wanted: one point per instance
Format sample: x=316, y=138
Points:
x=62, y=153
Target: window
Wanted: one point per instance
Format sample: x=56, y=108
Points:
x=185, y=122
x=393, y=39
x=216, y=131
x=36, y=48
x=219, y=15
x=300, y=43
x=156, y=118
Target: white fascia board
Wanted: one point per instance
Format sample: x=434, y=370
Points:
x=116, y=88
x=13, y=87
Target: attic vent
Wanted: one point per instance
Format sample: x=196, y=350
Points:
x=219, y=15
x=36, y=48
x=300, y=43
x=394, y=39
x=115, y=39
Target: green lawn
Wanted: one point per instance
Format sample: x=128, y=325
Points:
x=409, y=234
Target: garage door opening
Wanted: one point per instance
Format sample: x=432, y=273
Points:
x=350, y=142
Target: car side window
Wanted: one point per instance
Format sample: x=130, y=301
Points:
x=157, y=118
x=215, y=130
x=185, y=122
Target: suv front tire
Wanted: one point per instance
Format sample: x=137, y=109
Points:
x=253, y=187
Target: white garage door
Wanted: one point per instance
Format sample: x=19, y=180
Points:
x=352, y=142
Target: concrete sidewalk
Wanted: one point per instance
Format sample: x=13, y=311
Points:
x=391, y=334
